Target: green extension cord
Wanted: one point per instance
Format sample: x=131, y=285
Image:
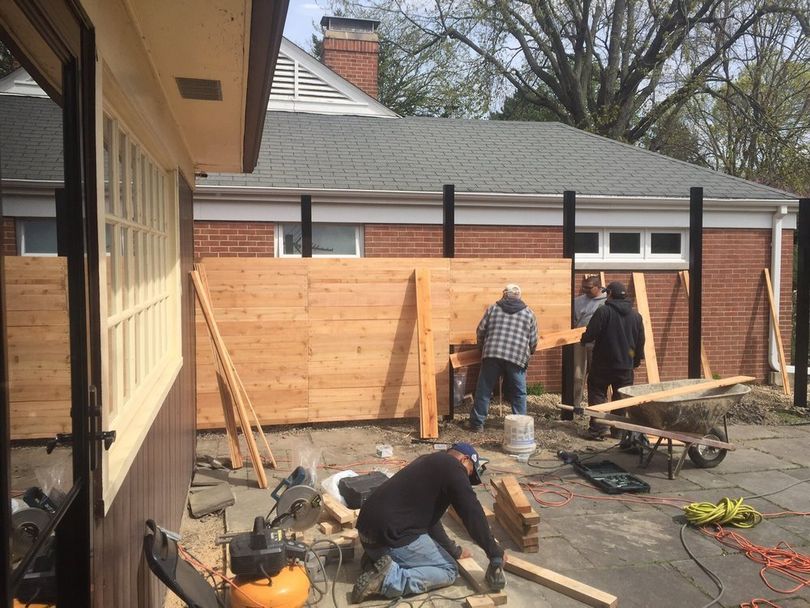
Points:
x=726, y=512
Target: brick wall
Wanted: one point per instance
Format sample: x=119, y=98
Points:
x=233, y=239
x=354, y=60
x=8, y=239
x=735, y=305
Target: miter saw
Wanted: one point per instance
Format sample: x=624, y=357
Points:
x=269, y=566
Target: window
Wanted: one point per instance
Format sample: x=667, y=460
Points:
x=36, y=237
x=629, y=246
x=328, y=240
x=142, y=340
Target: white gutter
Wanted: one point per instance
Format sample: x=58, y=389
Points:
x=776, y=276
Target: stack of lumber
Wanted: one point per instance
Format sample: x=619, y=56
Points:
x=337, y=515
x=516, y=515
x=235, y=401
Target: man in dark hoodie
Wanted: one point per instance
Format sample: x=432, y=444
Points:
x=407, y=549
x=618, y=333
x=507, y=335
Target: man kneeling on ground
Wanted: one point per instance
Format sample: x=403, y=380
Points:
x=401, y=530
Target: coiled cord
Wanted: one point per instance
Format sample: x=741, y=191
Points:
x=727, y=512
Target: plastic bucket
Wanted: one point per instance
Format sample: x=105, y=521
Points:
x=518, y=434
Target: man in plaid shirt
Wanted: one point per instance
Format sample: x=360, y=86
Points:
x=507, y=335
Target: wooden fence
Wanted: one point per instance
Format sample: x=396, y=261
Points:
x=335, y=339
x=38, y=346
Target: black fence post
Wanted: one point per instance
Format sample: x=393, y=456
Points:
x=569, y=232
x=449, y=224
x=449, y=251
x=306, y=226
x=695, y=279
x=802, y=304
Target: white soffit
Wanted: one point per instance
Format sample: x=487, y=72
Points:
x=301, y=83
x=207, y=40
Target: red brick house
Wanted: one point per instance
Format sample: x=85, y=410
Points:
x=376, y=181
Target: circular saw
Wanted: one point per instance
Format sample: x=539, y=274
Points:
x=26, y=526
x=302, y=506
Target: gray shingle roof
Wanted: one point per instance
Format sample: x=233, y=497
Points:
x=315, y=151
x=30, y=139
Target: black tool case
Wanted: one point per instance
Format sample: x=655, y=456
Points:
x=611, y=478
x=355, y=490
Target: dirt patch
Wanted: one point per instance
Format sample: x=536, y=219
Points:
x=766, y=405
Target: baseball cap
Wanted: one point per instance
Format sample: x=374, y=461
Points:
x=479, y=464
x=616, y=289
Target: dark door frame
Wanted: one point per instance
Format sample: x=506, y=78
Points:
x=67, y=30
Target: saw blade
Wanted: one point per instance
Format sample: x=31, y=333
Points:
x=26, y=526
x=304, y=503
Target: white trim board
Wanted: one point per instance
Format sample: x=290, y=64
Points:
x=428, y=210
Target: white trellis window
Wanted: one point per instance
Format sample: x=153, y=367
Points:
x=142, y=341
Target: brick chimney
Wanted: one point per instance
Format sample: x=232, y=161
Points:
x=351, y=47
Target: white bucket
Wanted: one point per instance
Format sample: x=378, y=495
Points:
x=518, y=434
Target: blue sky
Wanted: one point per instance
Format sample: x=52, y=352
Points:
x=300, y=17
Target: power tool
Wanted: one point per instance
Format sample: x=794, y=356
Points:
x=269, y=567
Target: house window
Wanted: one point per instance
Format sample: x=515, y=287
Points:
x=631, y=246
x=36, y=236
x=142, y=339
x=328, y=240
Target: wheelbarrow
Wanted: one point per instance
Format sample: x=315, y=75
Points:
x=700, y=416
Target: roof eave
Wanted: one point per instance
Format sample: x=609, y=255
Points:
x=264, y=49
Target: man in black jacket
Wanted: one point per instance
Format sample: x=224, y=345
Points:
x=401, y=530
x=618, y=333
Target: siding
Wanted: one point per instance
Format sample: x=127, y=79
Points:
x=158, y=481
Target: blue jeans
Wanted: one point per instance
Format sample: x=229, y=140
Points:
x=514, y=387
x=416, y=568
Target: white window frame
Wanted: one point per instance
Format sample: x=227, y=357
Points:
x=138, y=371
x=645, y=259
x=358, y=241
x=20, y=229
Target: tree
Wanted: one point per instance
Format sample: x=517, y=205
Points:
x=755, y=122
x=7, y=61
x=613, y=67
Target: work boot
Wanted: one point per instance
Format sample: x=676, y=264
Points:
x=597, y=432
x=471, y=427
x=370, y=583
x=366, y=563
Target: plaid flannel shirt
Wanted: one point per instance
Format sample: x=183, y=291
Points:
x=512, y=337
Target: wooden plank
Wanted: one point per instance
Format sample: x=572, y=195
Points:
x=512, y=530
x=428, y=407
x=227, y=405
x=205, y=305
x=544, y=342
x=777, y=333
x=561, y=584
x=704, y=359
x=650, y=357
x=526, y=526
x=489, y=514
x=672, y=392
x=473, y=601
x=517, y=498
x=338, y=511
x=474, y=574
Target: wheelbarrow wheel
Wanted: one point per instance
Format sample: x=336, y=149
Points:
x=706, y=457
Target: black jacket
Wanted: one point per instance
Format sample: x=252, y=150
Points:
x=413, y=501
x=618, y=332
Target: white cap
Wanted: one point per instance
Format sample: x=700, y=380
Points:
x=512, y=291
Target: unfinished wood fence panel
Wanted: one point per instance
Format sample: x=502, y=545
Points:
x=319, y=340
x=38, y=346
x=477, y=283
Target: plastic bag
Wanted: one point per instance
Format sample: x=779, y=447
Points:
x=56, y=480
x=330, y=484
x=459, y=386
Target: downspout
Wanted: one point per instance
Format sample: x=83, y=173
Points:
x=776, y=281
